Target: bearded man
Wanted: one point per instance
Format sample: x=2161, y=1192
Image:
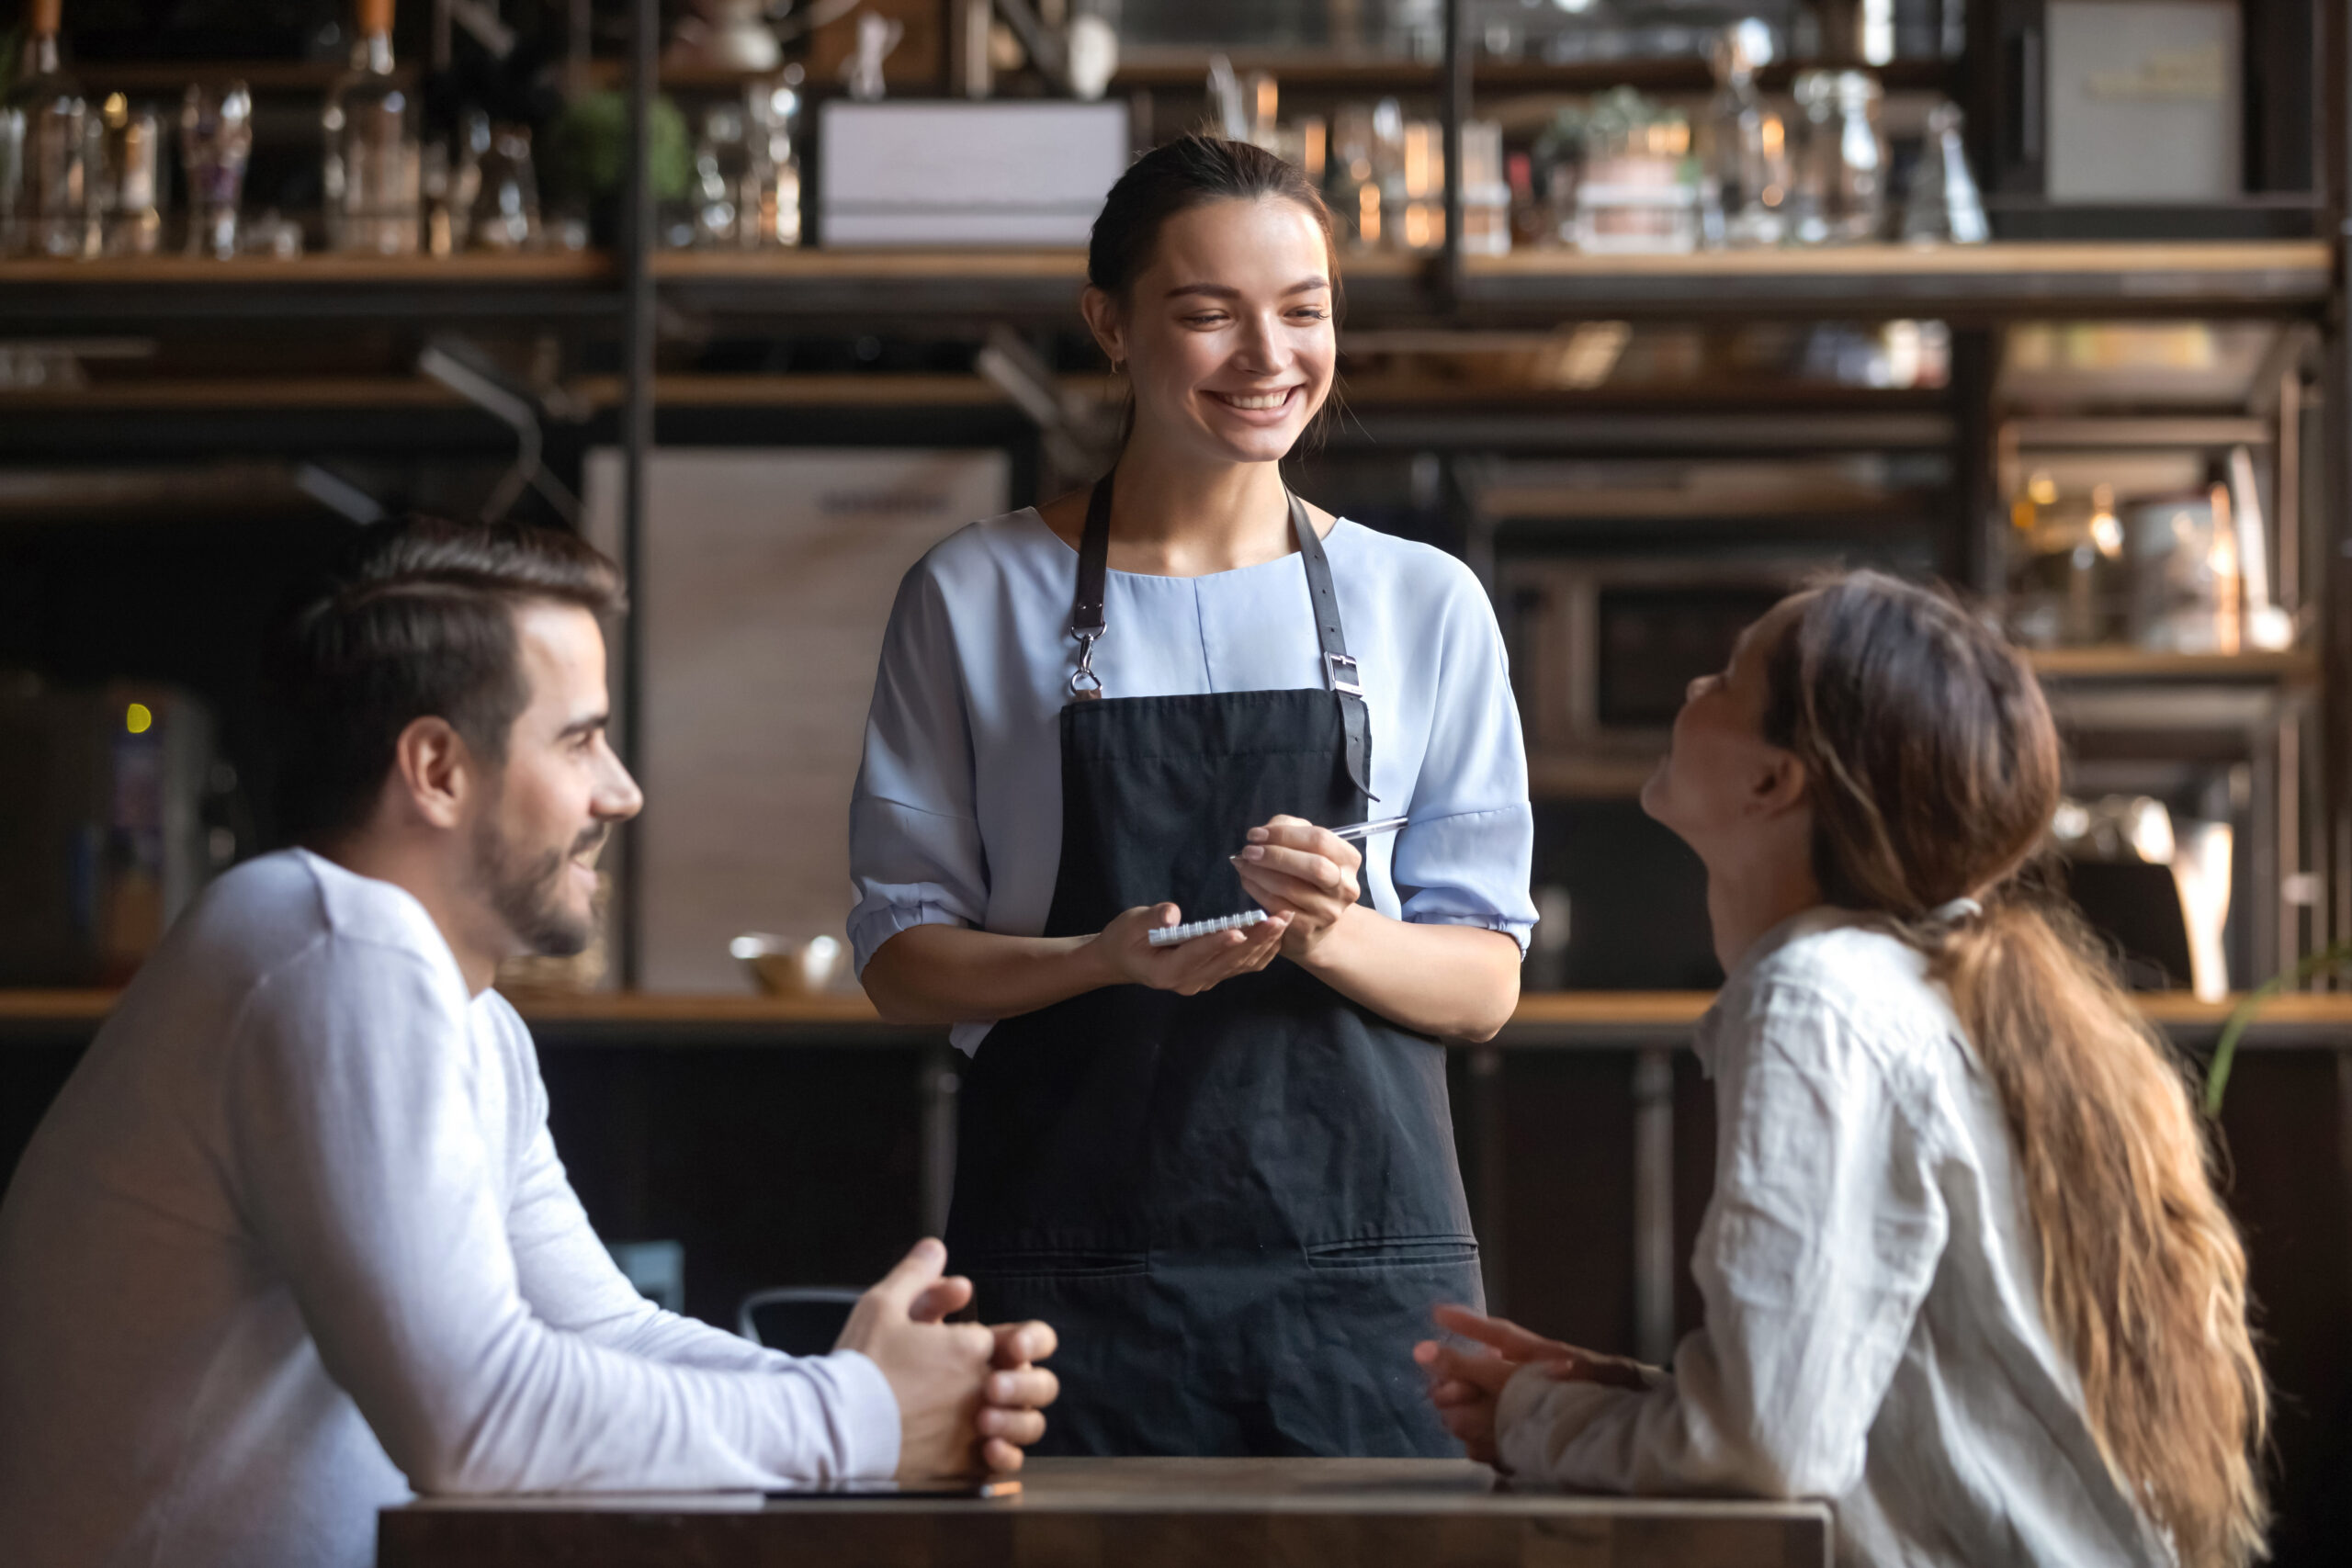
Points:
x=294, y=1239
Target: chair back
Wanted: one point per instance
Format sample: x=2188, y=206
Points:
x=799, y=1320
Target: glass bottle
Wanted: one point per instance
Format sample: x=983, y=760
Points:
x=372, y=178
x=1841, y=188
x=505, y=215
x=216, y=140
x=128, y=199
x=44, y=192
x=772, y=110
x=1746, y=162
x=1944, y=205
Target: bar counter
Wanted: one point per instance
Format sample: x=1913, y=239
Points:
x=1128, y=1513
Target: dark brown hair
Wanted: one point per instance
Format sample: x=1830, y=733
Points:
x=419, y=620
x=1176, y=177
x=1934, y=770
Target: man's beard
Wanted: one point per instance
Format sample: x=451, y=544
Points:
x=526, y=891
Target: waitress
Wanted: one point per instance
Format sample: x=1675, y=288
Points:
x=1223, y=1169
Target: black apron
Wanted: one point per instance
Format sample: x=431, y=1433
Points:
x=1237, y=1209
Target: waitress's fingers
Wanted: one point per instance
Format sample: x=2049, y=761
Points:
x=1223, y=959
x=1276, y=892
x=1296, y=834
x=1315, y=868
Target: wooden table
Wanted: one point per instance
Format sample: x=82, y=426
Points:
x=1127, y=1513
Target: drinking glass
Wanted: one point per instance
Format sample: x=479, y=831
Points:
x=216, y=138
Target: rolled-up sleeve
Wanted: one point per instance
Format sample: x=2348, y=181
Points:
x=914, y=845
x=1465, y=858
x=1815, y=1256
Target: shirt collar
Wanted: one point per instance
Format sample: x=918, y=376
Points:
x=1804, y=923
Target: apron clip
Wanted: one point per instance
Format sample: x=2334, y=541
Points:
x=1084, y=683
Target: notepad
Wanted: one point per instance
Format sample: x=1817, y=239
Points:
x=1167, y=936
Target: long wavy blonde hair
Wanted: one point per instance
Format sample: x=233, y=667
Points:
x=1935, y=770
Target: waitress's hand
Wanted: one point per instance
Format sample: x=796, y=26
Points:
x=1188, y=968
x=1294, y=868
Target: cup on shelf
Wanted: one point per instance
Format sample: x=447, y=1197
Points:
x=129, y=210
x=216, y=139
x=506, y=214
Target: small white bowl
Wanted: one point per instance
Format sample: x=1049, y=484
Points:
x=784, y=966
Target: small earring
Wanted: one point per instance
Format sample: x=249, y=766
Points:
x=1118, y=367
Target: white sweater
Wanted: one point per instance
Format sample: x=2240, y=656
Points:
x=294, y=1239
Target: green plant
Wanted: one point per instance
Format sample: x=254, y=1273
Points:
x=588, y=148
x=2226, y=1050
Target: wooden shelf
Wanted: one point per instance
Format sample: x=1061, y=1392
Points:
x=1546, y=1019
x=1878, y=281
x=49, y=296
x=2291, y=666
x=1327, y=71
x=1861, y=282
x=968, y=288
x=170, y=78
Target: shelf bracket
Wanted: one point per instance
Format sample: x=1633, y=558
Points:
x=456, y=365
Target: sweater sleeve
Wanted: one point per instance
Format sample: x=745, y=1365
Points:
x=362, y=1171
x=915, y=856
x=1817, y=1251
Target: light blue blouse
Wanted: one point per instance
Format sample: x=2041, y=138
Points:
x=957, y=818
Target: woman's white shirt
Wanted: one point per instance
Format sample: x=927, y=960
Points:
x=1873, y=1332
x=957, y=814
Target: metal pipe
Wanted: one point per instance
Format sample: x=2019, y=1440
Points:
x=1454, y=107
x=1653, y=1205
x=637, y=443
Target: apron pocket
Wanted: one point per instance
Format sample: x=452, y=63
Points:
x=1392, y=1252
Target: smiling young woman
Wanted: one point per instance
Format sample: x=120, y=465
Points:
x=1224, y=1168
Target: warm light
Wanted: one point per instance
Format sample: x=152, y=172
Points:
x=1770, y=134
x=137, y=719
x=1368, y=215
x=2041, y=489
x=2105, y=532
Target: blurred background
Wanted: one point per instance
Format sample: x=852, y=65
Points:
x=1654, y=308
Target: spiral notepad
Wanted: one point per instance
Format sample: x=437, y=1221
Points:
x=1167, y=936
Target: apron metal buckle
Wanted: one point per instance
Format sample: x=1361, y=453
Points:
x=1332, y=662
x=1084, y=683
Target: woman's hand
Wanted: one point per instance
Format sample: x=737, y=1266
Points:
x=1466, y=1386
x=1188, y=968
x=1294, y=868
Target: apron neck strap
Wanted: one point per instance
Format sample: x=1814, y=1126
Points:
x=1340, y=672
x=1087, y=622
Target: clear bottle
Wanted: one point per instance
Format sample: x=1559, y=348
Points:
x=372, y=178
x=44, y=138
x=505, y=215
x=1746, y=162
x=1944, y=205
x=1841, y=187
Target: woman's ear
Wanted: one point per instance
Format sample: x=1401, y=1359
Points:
x=1105, y=319
x=1782, y=785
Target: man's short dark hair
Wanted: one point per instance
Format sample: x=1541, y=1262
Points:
x=419, y=621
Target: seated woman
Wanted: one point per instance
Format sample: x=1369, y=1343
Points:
x=1964, y=1269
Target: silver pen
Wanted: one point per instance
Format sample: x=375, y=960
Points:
x=1362, y=830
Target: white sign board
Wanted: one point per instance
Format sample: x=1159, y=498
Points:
x=965, y=173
